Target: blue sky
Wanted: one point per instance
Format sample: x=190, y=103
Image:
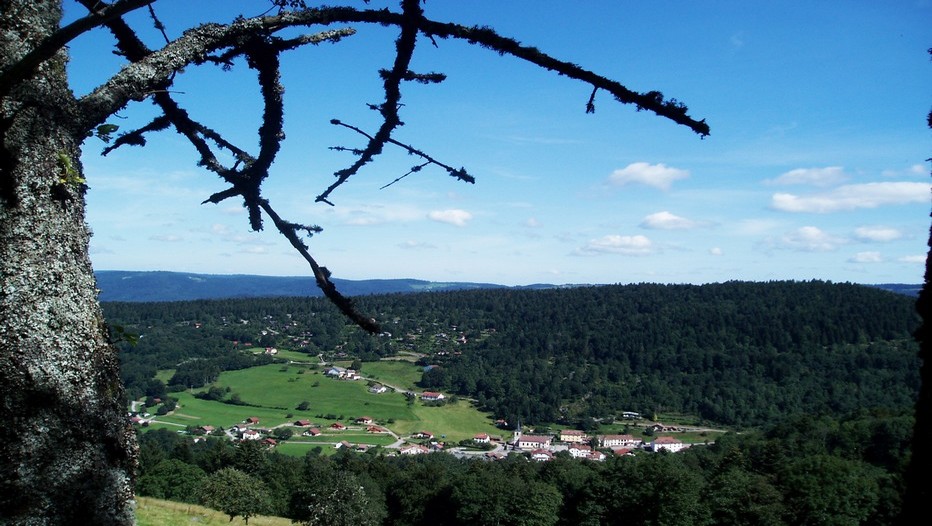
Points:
x=815, y=167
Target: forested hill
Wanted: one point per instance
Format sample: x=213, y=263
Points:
x=123, y=285
x=119, y=285
x=734, y=353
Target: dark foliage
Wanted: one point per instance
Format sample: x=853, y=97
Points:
x=799, y=471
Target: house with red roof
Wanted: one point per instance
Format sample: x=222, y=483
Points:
x=482, y=438
x=667, y=443
x=532, y=442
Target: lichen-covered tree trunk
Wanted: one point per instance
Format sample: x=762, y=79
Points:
x=66, y=449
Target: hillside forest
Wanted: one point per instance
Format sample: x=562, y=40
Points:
x=816, y=381
x=736, y=354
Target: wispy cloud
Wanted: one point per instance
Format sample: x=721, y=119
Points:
x=916, y=170
x=532, y=222
x=453, y=216
x=877, y=234
x=167, y=238
x=617, y=244
x=866, y=257
x=667, y=221
x=852, y=197
x=659, y=176
x=829, y=176
x=416, y=245
x=811, y=239
x=912, y=259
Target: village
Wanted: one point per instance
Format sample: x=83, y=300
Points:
x=542, y=447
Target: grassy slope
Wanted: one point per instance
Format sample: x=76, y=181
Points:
x=275, y=390
x=155, y=512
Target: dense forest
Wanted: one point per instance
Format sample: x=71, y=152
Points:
x=737, y=353
x=802, y=470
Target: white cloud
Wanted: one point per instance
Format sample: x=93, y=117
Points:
x=453, y=216
x=616, y=244
x=716, y=251
x=854, y=196
x=811, y=239
x=666, y=221
x=877, y=233
x=866, y=257
x=912, y=259
x=369, y=214
x=828, y=176
x=532, y=222
x=912, y=171
x=657, y=175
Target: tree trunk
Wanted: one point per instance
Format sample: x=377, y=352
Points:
x=66, y=447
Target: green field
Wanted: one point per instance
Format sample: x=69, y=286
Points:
x=273, y=392
x=397, y=373
x=284, y=354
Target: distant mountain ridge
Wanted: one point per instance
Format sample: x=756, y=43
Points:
x=157, y=286
x=145, y=286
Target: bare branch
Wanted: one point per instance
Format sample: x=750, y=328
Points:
x=651, y=100
x=458, y=173
x=404, y=50
x=56, y=41
x=151, y=72
x=158, y=23
x=321, y=274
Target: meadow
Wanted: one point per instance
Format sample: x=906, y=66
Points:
x=272, y=393
x=156, y=512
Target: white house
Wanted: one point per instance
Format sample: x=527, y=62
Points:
x=335, y=372
x=580, y=451
x=482, y=438
x=251, y=434
x=541, y=455
x=430, y=396
x=573, y=436
x=413, y=449
x=613, y=441
x=532, y=442
x=667, y=443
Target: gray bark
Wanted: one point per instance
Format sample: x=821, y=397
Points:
x=66, y=447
